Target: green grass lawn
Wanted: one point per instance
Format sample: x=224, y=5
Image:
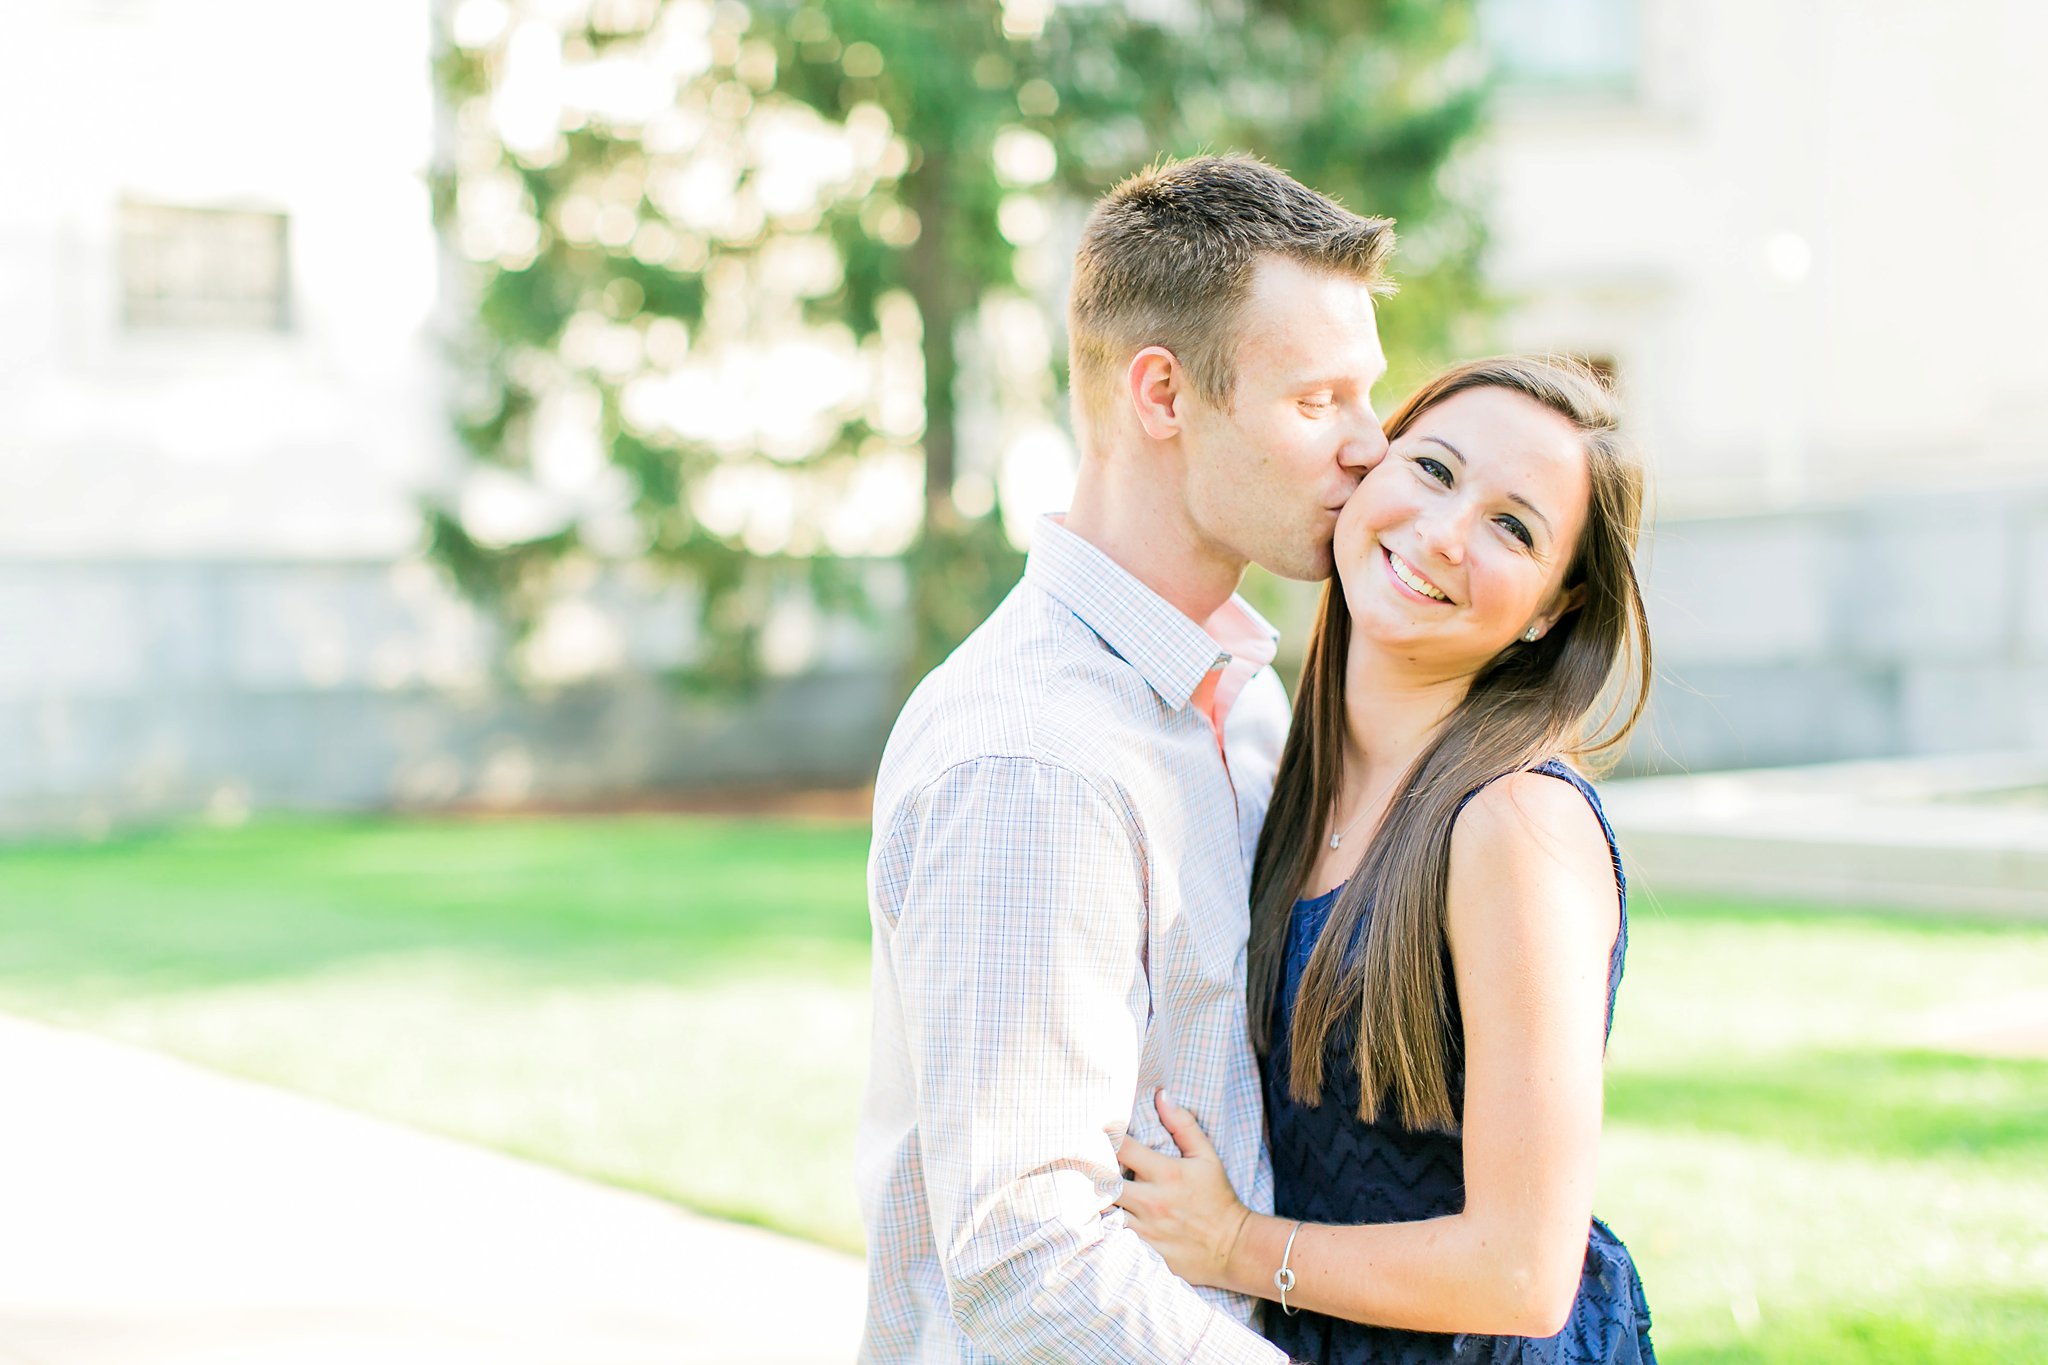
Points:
x=679, y=1005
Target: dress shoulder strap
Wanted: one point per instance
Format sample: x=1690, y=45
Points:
x=1563, y=772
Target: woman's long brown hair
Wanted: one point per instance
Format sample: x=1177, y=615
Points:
x=1531, y=702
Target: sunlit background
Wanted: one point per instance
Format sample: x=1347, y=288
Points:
x=1800, y=238
x=433, y=411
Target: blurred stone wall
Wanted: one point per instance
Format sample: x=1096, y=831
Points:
x=1890, y=624
x=137, y=691
x=132, y=691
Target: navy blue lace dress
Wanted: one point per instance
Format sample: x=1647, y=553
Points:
x=1330, y=1168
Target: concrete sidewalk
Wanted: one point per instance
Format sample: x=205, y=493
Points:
x=152, y=1211
x=1918, y=833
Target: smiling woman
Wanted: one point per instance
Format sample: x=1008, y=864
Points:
x=1431, y=1017
x=1472, y=537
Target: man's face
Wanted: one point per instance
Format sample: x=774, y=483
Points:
x=1267, y=477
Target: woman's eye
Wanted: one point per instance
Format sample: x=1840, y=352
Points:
x=1436, y=469
x=1514, y=527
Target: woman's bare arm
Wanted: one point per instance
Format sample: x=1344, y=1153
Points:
x=1533, y=913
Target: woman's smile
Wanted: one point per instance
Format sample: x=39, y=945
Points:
x=1411, y=580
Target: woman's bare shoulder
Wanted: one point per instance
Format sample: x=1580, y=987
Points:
x=1525, y=834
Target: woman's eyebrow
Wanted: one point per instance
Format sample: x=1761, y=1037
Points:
x=1515, y=498
x=1534, y=511
x=1448, y=446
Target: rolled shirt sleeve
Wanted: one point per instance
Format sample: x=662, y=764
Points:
x=1015, y=898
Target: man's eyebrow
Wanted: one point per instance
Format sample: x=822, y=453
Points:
x=1515, y=498
x=1348, y=374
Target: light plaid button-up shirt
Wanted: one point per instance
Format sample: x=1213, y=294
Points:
x=1058, y=886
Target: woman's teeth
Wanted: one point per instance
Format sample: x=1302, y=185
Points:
x=1413, y=579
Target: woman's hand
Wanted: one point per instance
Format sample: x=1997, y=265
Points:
x=1185, y=1208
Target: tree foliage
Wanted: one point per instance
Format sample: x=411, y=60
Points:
x=743, y=252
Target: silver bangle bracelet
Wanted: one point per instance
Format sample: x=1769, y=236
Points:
x=1283, y=1278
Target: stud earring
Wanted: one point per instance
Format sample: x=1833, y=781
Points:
x=1532, y=634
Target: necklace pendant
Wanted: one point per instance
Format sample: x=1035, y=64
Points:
x=1336, y=839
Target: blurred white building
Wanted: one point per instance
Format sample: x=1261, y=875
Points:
x=221, y=402
x=217, y=269
x=1802, y=232
x=1805, y=234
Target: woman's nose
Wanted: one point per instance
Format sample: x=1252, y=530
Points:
x=1442, y=532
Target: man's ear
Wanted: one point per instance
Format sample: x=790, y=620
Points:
x=1156, y=384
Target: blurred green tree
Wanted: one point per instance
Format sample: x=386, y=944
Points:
x=737, y=253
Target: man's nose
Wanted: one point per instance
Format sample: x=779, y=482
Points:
x=1366, y=446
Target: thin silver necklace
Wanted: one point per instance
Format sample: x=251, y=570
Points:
x=1337, y=839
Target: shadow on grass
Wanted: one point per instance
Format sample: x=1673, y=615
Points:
x=1973, y=1330
x=627, y=898
x=1889, y=1104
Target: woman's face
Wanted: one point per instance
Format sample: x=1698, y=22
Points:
x=1459, y=540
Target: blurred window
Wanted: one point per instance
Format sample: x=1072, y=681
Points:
x=1563, y=45
x=201, y=267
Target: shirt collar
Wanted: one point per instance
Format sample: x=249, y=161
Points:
x=1171, y=652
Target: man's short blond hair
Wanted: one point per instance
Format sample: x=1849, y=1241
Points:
x=1167, y=258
